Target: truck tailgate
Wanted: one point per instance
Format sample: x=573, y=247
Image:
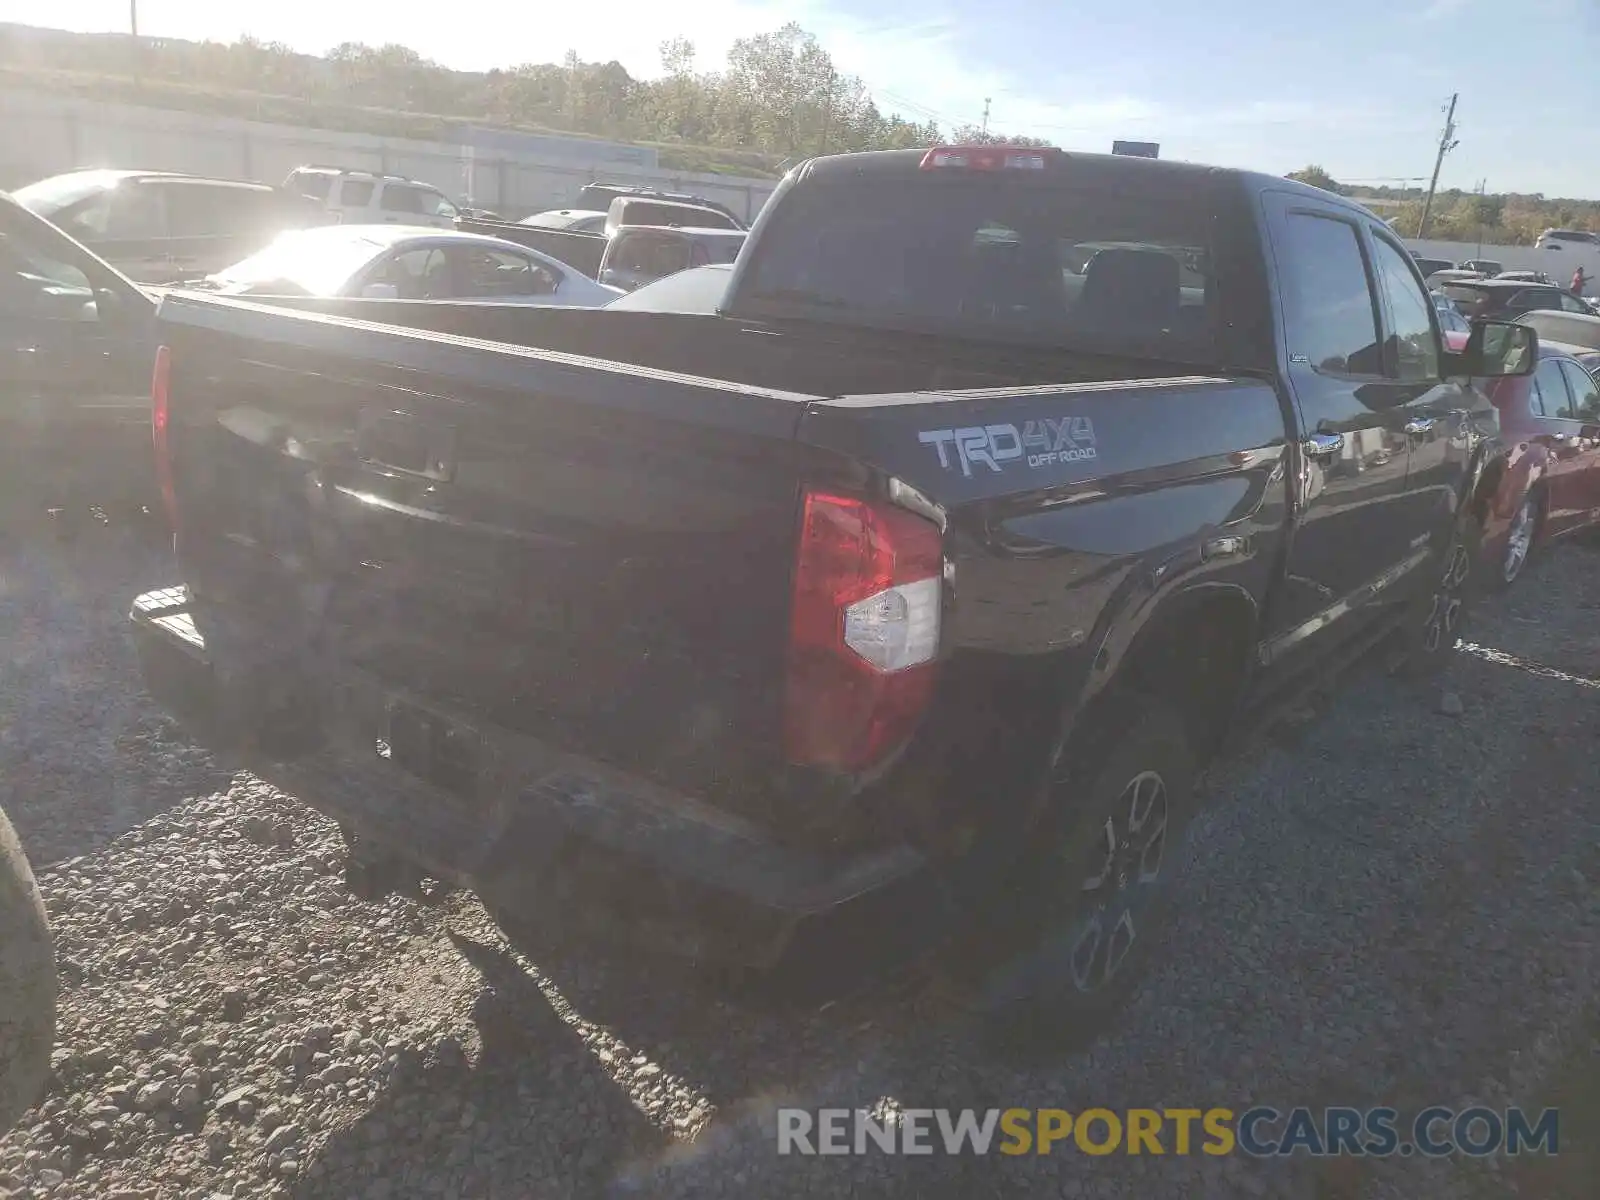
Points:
x=573, y=549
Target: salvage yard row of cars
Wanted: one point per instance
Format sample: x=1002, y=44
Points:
x=163, y=228
x=879, y=593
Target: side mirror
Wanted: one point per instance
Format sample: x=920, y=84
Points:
x=380, y=291
x=1498, y=349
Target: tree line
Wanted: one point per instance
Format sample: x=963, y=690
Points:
x=778, y=96
x=1500, y=219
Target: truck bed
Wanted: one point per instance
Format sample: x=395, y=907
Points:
x=523, y=554
x=813, y=360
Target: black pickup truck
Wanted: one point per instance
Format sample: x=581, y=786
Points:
x=895, y=601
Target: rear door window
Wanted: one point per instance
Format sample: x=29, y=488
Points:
x=314, y=184
x=491, y=274
x=1549, y=393
x=420, y=274
x=355, y=193
x=398, y=198
x=1330, y=311
x=203, y=210
x=138, y=211
x=1585, y=395
x=1531, y=300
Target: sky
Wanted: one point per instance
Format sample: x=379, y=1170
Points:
x=1357, y=87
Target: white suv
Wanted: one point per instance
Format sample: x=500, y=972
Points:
x=365, y=198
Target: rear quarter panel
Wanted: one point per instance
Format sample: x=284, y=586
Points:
x=1096, y=507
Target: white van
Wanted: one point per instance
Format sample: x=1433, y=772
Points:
x=367, y=198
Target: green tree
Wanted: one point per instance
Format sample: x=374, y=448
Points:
x=1318, y=178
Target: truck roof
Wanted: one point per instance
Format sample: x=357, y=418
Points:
x=889, y=163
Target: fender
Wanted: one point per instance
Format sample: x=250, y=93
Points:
x=1155, y=596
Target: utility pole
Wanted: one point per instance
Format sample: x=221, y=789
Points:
x=827, y=112
x=1482, y=191
x=986, y=116
x=1447, y=143
x=133, y=27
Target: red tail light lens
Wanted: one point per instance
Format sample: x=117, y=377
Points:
x=864, y=631
x=160, y=416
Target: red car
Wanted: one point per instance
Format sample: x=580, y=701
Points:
x=1550, y=422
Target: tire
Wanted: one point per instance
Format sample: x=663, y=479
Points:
x=1436, y=619
x=1059, y=967
x=27, y=984
x=1522, y=540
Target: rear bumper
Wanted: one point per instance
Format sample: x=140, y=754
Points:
x=545, y=835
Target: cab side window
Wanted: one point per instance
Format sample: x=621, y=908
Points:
x=1413, y=347
x=1331, y=314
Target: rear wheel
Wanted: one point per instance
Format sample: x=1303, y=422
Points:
x=1086, y=914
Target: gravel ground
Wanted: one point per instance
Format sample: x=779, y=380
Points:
x=1393, y=905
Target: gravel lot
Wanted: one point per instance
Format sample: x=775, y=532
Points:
x=1391, y=906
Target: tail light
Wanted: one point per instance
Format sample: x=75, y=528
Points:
x=864, y=631
x=160, y=418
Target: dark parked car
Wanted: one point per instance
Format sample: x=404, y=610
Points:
x=75, y=359
x=1507, y=300
x=895, y=603
x=1550, y=422
x=1432, y=266
x=157, y=227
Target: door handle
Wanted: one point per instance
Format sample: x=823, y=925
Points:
x=1421, y=424
x=1322, y=445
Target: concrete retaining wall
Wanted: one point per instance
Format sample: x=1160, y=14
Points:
x=43, y=134
x=1558, y=264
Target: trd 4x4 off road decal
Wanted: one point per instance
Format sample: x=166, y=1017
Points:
x=1039, y=443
